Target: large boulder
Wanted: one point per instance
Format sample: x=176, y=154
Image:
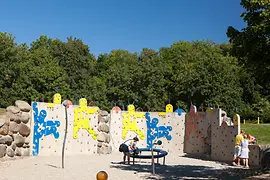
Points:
x=3, y=150
x=6, y=140
x=4, y=119
x=104, y=113
x=103, y=137
x=24, y=130
x=13, y=109
x=4, y=124
x=18, y=152
x=25, y=116
x=10, y=152
x=23, y=106
x=14, y=127
x=104, y=149
x=14, y=117
x=13, y=146
x=4, y=129
x=27, y=140
x=103, y=119
x=103, y=127
x=25, y=151
x=18, y=140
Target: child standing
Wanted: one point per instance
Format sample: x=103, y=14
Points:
x=245, y=151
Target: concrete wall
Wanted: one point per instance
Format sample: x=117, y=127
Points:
x=148, y=126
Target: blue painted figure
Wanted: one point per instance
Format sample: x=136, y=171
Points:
x=42, y=128
x=154, y=131
x=179, y=111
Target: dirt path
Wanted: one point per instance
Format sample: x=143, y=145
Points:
x=86, y=168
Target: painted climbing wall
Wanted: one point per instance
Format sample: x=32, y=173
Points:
x=207, y=134
x=49, y=128
x=149, y=126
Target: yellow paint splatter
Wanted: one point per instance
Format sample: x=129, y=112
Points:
x=130, y=123
x=162, y=113
x=81, y=118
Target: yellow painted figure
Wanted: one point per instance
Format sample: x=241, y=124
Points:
x=169, y=108
x=236, y=118
x=56, y=100
x=209, y=110
x=81, y=118
x=130, y=122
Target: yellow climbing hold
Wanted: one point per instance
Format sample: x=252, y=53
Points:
x=169, y=108
x=130, y=122
x=81, y=118
x=57, y=98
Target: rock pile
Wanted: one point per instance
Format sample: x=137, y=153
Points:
x=103, y=146
x=15, y=130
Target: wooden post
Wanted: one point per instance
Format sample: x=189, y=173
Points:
x=258, y=121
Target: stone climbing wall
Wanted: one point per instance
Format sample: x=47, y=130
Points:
x=148, y=126
x=15, y=130
x=206, y=133
x=87, y=131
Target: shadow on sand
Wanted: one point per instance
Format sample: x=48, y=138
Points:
x=176, y=172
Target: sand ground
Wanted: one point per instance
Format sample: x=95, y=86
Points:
x=85, y=167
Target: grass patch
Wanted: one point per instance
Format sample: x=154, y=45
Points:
x=260, y=131
x=2, y=111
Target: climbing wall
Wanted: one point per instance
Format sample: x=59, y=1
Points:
x=81, y=141
x=207, y=134
x=49, y=129
x=148, y=127
x=47, y=124
x=197, y=135
x=223, y=136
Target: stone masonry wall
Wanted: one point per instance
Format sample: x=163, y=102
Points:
x=15, y=130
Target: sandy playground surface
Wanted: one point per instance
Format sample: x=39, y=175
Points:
x=86, y=167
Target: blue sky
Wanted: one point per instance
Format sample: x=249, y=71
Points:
x=105, y=25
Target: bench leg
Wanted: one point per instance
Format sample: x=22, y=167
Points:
x=164, y=160
x=133, y=160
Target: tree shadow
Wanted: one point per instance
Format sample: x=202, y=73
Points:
x=176, y=172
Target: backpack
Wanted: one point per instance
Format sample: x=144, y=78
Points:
x=121, y=147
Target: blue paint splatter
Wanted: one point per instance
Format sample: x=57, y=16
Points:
x=154, y=131
x=179, y=111
x=42, y=128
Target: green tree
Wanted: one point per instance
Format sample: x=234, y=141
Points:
x=202, y=75
x=251, y=45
